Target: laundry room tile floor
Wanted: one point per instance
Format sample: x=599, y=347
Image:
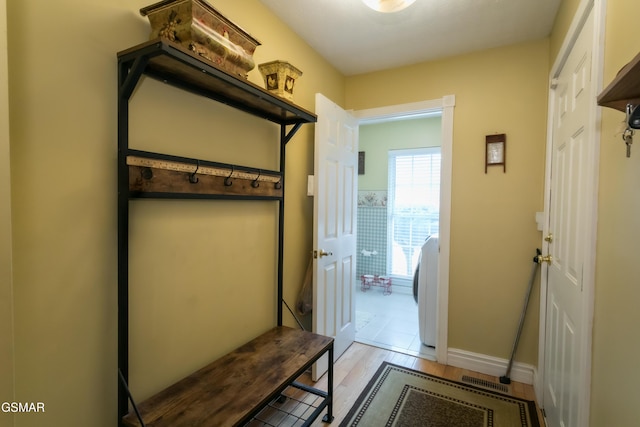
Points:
x=390, y=322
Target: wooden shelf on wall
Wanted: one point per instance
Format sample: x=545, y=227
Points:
x=624, y=89
x=173, y=64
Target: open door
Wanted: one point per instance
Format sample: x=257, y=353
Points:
x=334, y=227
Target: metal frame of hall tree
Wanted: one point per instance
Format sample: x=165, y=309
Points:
x=177, y=67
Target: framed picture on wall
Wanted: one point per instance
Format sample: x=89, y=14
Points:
x=496, y=151
x=360, y=162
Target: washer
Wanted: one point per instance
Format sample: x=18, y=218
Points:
x=425, y=290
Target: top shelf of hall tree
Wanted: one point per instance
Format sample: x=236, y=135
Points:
x=177, y=66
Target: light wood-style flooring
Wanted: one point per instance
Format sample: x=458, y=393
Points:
x=360, y=362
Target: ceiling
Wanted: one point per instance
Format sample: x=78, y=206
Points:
x=356, y=39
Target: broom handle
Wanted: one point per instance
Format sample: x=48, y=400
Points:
x=524, y=311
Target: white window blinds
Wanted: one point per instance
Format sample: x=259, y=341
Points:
x=413, y=206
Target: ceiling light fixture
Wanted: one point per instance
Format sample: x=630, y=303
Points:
x=388, y=6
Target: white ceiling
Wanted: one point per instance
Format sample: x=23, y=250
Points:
x=356, y=40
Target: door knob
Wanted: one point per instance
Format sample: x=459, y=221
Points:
x=548, y=259
x=549, y=238
x=321, y=253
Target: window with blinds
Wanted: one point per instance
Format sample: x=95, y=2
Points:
x=413, y=206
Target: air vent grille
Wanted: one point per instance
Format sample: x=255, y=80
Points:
x=486, y=384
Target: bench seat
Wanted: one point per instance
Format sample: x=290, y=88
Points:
x=231, y=390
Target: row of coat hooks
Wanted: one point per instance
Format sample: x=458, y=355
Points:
x=229, y=173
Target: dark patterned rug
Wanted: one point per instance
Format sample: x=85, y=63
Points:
x=402, y=397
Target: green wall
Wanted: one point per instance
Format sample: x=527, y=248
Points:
x=377, y=139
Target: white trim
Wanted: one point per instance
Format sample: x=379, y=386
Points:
x=422, y=151
x=448, y=104
x=489, y=365
x=599, y=9
x=394, y=112
x=445, y=105
x=577, y=23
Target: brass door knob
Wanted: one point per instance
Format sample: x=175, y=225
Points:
x=321, y=253
x=548, y=259
x=549, y=238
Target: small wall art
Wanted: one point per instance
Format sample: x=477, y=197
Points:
x=496, y=151
x=360, y=162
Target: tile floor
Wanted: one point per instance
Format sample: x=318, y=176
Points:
x=390, y=321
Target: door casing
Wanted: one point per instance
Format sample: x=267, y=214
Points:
x=446, y=105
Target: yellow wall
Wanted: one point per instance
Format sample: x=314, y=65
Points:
x=493, y=229
x=202, y=273
x=377, y=139
x=615, y=343
x=6, y=284
x=62, y=73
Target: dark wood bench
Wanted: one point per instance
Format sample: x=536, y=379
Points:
x=236, y=387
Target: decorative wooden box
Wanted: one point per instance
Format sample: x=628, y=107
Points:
x=280, y=77
x=199, y=27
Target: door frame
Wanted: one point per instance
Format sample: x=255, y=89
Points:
x=445, y=105
x=585, y=7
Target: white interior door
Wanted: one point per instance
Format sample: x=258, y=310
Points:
x=567, y=312
x=334, y=226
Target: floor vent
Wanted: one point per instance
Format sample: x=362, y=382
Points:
x=486, y=384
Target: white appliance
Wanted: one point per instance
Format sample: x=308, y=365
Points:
x=427, y=290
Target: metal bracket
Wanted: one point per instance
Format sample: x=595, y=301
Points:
x=286, y=138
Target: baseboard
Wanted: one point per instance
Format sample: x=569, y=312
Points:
x=489, y=365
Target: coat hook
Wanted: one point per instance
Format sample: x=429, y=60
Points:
x=278, y=184
x=227, y=180
x=255, y=183
x=146, y=173
x=193, y=178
